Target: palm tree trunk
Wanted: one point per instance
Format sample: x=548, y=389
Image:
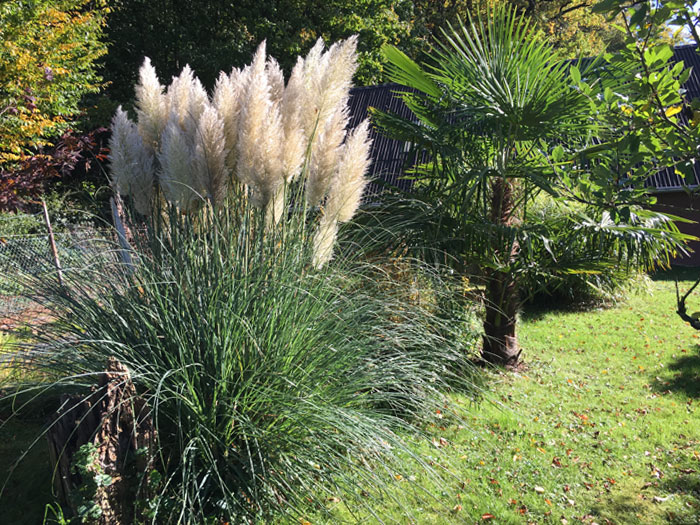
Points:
x=500, y=339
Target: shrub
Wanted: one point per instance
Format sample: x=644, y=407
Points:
x=74, y=157
x=598, y=269
x=47, y=62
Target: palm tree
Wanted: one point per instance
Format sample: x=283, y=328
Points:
x=504, y=123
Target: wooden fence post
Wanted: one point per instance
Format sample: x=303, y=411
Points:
x=52, y=243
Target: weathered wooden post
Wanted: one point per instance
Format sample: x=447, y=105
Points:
x=52, y=243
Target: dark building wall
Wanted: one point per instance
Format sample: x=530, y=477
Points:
x=684, y=205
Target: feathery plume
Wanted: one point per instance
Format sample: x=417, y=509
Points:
x=325, y=155
x=314, y=67
x=131, y=162
x=275, y=208
x=119, y=159
x=328, y=81
x=324, y=239
x=259, y=163
x=142, y=173
x=347, y=187
x=275, y=77
x=176, y=176
x=227, y=97
x=210, y=156
x=294, y=144
x=151, y=105
x=186, y=98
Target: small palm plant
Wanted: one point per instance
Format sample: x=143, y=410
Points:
x=504, y=122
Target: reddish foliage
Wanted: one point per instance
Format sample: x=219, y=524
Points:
x=73, y=155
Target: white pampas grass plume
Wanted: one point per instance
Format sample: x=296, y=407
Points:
x=131, y=162
x=314, y=68
x=151, y=105
x=275, y=77
x=347, y=187
x=325, y=155
x=227, y=97
x=294, y=144
x=119, y=159
x=328, y=79
x=176, y=177
x=324, y=239
x=276, y=207
x=260, y=136
x=186, y=98
x=210, y=156
x=141, y=186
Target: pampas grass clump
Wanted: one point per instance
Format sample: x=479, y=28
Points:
x=278, y=145
x=278, y=384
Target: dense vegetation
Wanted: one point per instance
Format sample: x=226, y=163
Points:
x=241, y=350
x=508, y=131
x=48, y=54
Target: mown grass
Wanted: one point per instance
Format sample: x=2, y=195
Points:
x=601, y=427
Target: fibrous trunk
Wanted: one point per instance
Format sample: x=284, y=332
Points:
x=119, y=424
x=500, y=340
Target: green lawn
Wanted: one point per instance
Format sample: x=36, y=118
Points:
x=602, y=426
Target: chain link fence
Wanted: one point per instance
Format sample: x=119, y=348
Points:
x=30, y=254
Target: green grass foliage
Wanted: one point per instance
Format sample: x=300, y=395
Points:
x=276, y=389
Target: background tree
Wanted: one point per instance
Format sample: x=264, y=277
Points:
x=48, y=50
x=663, y=125
x=504, y=123
x=570, y=25
x=218, y=35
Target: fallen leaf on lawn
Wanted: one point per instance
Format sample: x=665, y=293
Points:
x=456, y=508
x=487, y=516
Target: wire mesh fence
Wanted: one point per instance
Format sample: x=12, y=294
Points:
x=30, y=254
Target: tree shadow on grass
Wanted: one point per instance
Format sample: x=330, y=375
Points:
x=686, y=485
x=675, y=500
x=677, y=273
x=537, y=310
x=685, y=376
x=28, y=489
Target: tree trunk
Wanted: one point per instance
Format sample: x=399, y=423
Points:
x=119, y=424
x=500, y=339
